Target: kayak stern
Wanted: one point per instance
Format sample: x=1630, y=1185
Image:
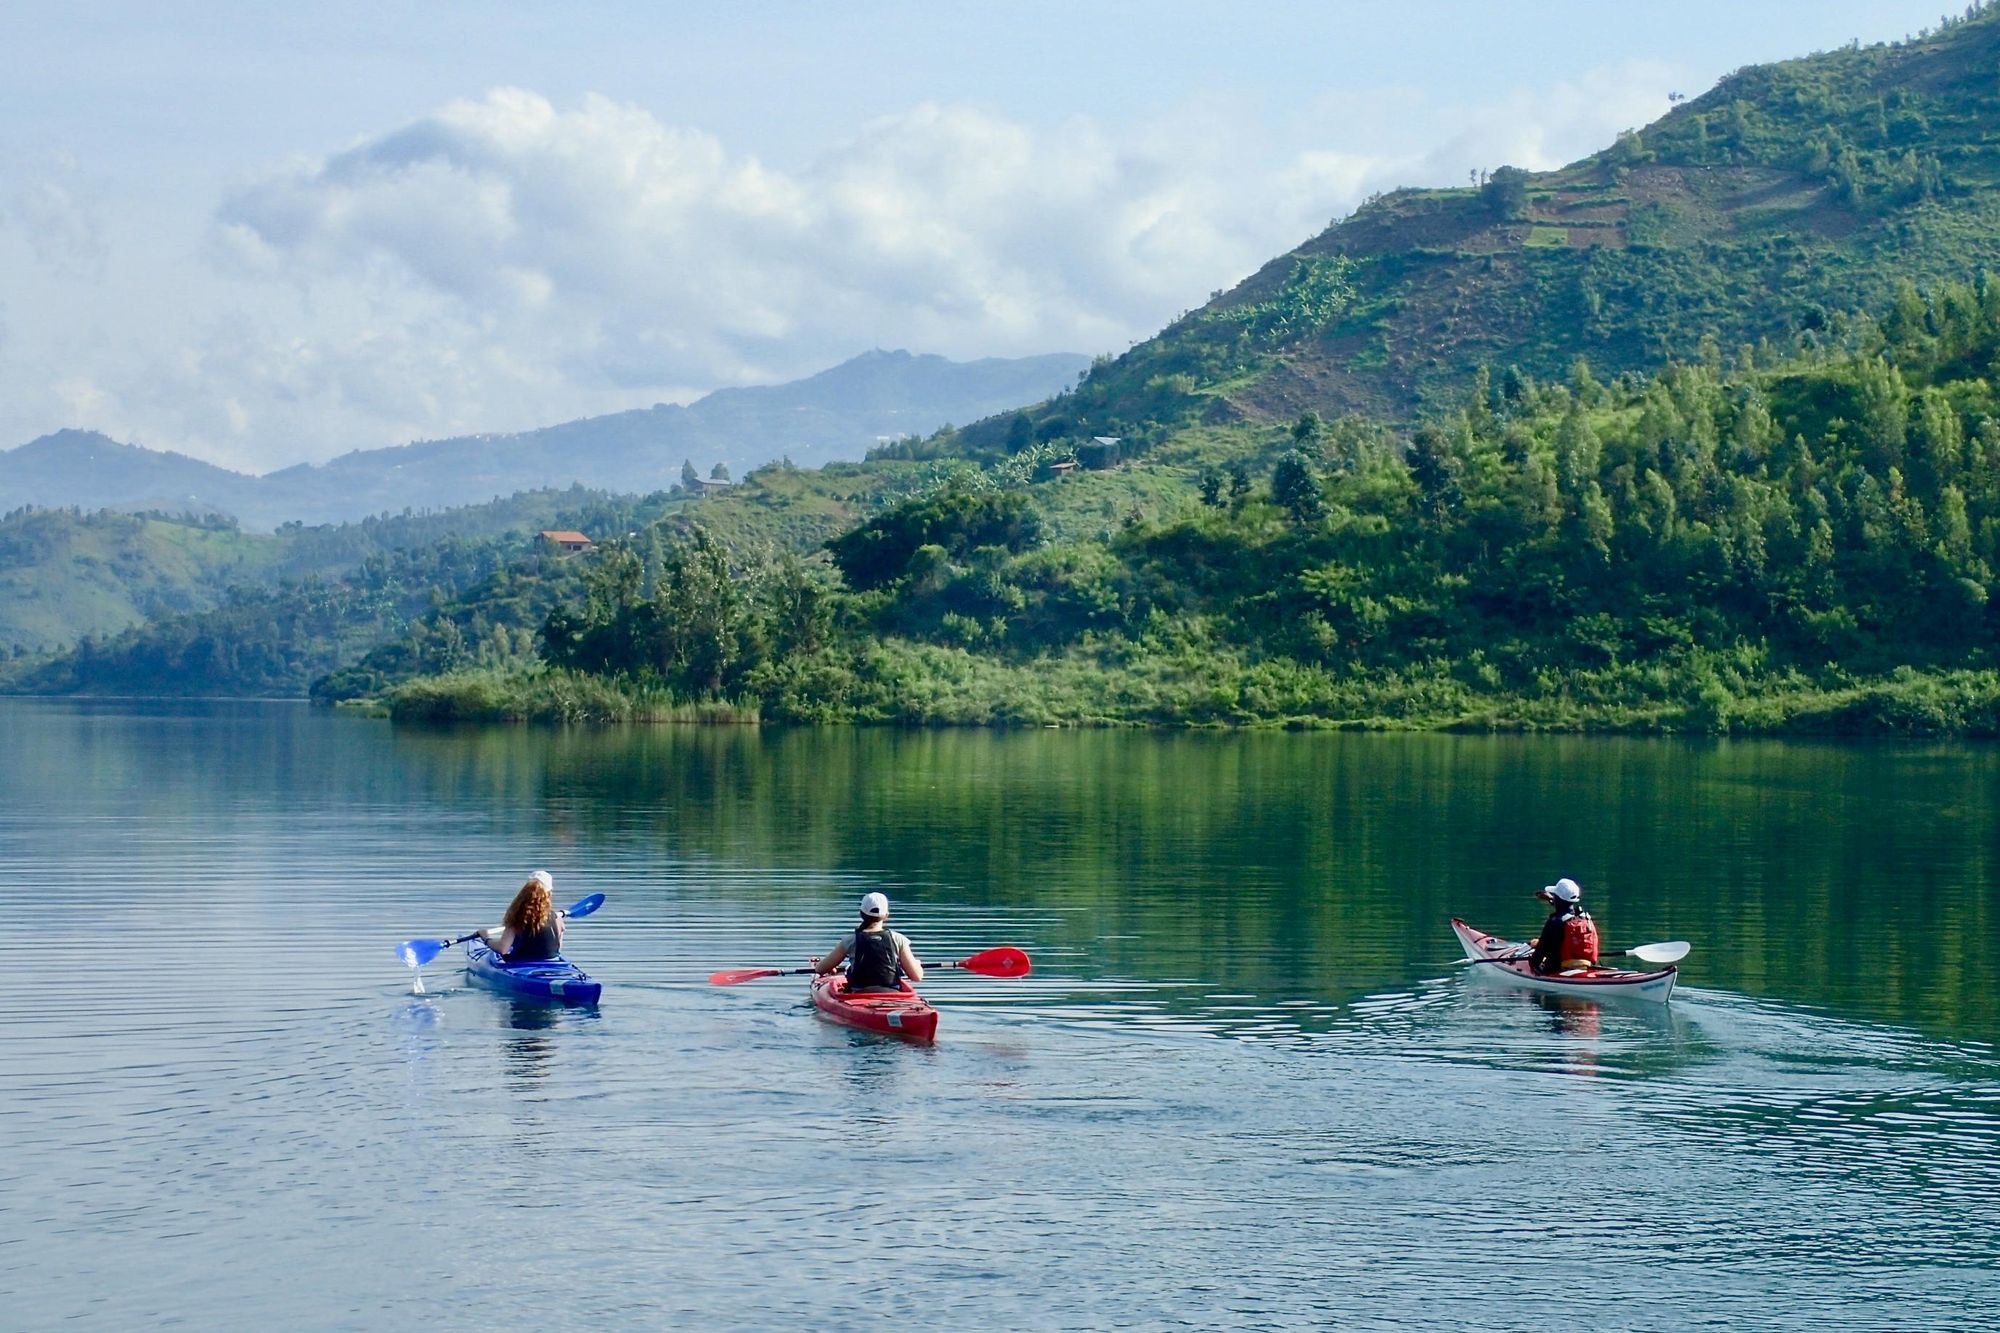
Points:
x=557, y=979
x=898, y=1013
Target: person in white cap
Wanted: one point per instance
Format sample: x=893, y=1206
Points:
x=531, y=931
x=1569, y=937
x=877, y=957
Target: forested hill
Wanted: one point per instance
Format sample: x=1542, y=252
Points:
x=1784, y=195
x=1805, y=544
x=67, y=575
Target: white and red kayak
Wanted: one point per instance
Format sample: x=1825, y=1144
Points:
x=1490, y=955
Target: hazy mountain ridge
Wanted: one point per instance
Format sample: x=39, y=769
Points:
x=835, y=414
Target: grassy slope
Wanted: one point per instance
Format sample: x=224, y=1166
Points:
x=64, y=577
x=1786, y=193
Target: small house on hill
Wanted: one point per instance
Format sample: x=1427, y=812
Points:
x=567, y=541
x=710, y=486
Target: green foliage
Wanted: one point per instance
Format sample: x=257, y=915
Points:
x=695, y=633
x=1295, y=486
x=1318, y=289
x=1506, y=193
x=954, y=521
x=1800, y=545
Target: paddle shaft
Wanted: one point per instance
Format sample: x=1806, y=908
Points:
x=1005, y=961
x=418, y=952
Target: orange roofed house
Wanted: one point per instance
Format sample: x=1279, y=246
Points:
x=567, y=541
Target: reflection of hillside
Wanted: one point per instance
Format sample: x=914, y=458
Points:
x=1324, y=866
x=1283, y=867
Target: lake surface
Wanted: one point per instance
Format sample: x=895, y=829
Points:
x=1243, y=1087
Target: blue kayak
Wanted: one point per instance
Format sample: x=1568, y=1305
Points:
x=555, y=979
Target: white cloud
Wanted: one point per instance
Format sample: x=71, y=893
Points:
x=1548, y=128
x=505, y=262
x=47, y=204
x=619, y=254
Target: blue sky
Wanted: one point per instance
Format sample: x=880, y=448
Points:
x=263, y=234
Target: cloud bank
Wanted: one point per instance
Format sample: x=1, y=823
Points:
x=506, y=262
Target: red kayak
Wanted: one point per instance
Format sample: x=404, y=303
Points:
x=897, y=1013
x=1489, y=954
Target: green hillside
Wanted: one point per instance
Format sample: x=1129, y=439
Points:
x=67, y=576
x=378, y=601
x=64, y=575
x=1784, y=196
x=1805, y=543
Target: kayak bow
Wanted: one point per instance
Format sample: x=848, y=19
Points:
x=1596, y=983
x=555, y=979
x=897, y=1013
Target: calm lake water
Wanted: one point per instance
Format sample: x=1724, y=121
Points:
x=1244, y=1086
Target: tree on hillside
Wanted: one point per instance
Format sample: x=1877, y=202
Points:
x=1436, y=468
x=689, y=477
x=1307, y=432
x=956, y=521
x=1295, y=486
x=1506, y=193
x=1211, y=488
x=1020, y=433
x=1239, y=481
x=720, y=472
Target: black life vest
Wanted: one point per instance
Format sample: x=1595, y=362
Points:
x=871, y=961
x=536, y=946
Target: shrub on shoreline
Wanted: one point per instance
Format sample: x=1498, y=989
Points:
x=898, y=683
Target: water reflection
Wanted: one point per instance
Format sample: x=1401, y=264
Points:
x=1241, y=1037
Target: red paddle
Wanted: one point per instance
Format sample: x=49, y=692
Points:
x=1005, y=961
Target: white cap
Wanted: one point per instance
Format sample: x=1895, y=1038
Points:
x=1564, y=891
x=874, y=904
x=545, y=879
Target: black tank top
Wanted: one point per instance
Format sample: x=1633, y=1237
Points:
x=536, y=946
x=872, y=962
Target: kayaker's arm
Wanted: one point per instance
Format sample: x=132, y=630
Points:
x=1546, y=956
x=913, y=967
x=832, y=960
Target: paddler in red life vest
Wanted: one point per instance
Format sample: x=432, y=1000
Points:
x=877, y=957
x=1569, y=937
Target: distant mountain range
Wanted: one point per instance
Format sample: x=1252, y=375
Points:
x=834, y=415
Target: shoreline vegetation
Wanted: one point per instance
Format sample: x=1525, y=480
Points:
x=1906, y=703
x=1804, y=543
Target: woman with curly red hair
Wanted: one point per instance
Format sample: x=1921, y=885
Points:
x=532, y=930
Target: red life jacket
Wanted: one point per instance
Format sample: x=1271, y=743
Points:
x=1579, y=946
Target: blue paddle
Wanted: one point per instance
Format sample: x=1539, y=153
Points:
x=418, y=952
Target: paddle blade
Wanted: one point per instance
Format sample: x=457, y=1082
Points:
x=742, y=974
x=1005, y=961
x=585, y=906
x=416, y=953
x=1670, y=952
